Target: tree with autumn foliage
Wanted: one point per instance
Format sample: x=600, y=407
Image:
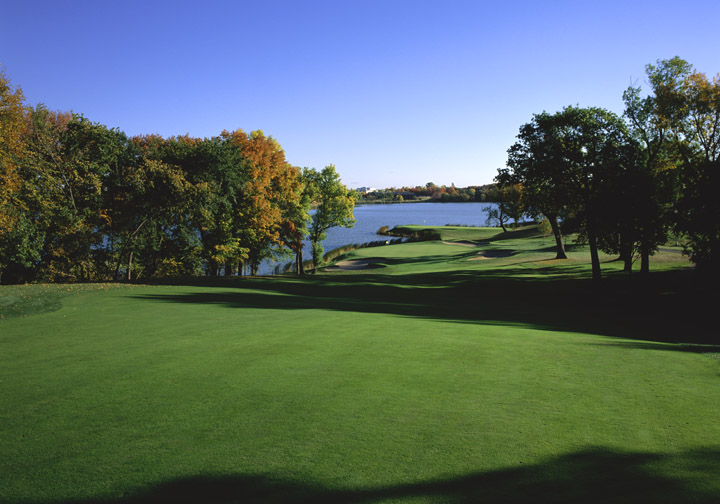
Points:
x=11, y=150
x=37, y=195
x=268, y=211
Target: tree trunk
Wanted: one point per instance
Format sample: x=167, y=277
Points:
x=627, y=266
x=129, y=271
x=112, y=252
x=315, y=258
x=501, y=218
x=228, y=269
x=130, y=242
x=626, y=253
x=560, y=246
x=644, y=261
x=152, y=268
x=299, y=268
x=594, y=257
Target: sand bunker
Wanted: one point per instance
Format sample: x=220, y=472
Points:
x=491, y=254
x=354, y=264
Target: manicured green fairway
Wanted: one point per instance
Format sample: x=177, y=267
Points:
x=431, y=378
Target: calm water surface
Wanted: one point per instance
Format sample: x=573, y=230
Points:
x=370, y=218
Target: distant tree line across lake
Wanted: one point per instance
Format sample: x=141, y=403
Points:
x=83, y=202
x=429, y=192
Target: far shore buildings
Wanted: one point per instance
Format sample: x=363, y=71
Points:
x=366, y=189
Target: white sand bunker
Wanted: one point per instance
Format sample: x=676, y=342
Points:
x=491, y=254
x=354, y=264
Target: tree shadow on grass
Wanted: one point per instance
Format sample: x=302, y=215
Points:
x=530, y=232
x=589, y=476
x=666, y=307
x=680, y=347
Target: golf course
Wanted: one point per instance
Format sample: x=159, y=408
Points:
x=470, y=368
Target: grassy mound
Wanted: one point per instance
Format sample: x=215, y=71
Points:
x=434, y=379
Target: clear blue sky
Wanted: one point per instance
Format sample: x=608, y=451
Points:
x=391, y=92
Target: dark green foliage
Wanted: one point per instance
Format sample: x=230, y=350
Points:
x=698, y=209
x=413, y=234
x=567, y=162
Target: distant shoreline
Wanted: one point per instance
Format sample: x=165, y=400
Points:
x=428, y=200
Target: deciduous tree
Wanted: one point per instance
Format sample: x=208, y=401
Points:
x=532, y=163
x=11, y=148
x=335, y=205
x=508, y=198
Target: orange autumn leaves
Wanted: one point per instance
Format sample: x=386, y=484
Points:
x=11, y=147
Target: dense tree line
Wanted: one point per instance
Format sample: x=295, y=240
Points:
x=624, y=183
x=429, y=192
x=83, y=202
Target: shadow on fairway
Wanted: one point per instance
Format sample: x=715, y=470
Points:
x=666, y=307
x=530, y=232
x=691, y=348
x=591, y=476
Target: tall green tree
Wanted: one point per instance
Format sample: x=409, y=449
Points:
x=682, y=116
x=156, y=205
x=533, y=163
x=89, y=154
x=699, y=206
x=592, y=142
x=148, y=199
x=651, y=186
x=335, y=205
x=65, y=170
x=296, y=216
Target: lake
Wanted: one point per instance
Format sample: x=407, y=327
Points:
x=370, y=218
